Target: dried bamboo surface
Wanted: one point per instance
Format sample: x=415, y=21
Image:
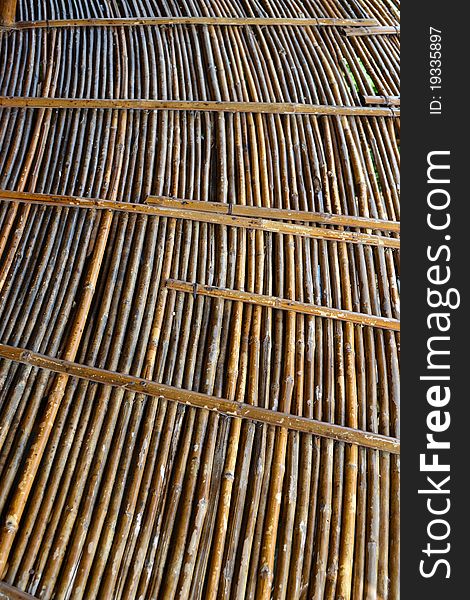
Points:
x=176, y=421
x=195, y=20
x=387, y=100
x=379, y=30
x=172, y=209
x=283, y=108
x=221, y=405
x=8, y=592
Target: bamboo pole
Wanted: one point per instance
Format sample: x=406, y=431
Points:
x=273, y=108
x=18, y=501
x=201, y=216
x=374, y=30
x=275, y=213
x=37, y=144
x=216, y=21
x=231, y=408
x=382, y=100
x=8, y=592
x=7, y=12
x=285, y=304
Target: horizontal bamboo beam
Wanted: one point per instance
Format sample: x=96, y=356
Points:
x=276, y=213
x=217, y=21
x=381, y=100
x=11, y=593
x=198, y=400
x=284, y=304
x=283, y=108
x=364, y=31
x=201, y=216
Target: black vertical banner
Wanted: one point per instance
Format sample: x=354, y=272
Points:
x=435, y=263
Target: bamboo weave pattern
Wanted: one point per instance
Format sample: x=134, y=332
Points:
x=109, y=492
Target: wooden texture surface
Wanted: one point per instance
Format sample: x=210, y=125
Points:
x=286, y=484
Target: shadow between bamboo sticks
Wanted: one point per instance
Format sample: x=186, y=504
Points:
x=202, y=216
x=231, y=408
x=282, y=108
x=284, y=304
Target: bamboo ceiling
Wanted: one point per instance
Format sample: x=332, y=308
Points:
x=199, y=299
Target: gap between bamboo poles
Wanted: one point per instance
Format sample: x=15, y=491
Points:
x=282, y=108
x=284, y=304
x=230, y=408
x=243, y=210
x=202, y=216
x=364, y=31
x=215, y=21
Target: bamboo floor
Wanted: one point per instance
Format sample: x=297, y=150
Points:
x=199, y=299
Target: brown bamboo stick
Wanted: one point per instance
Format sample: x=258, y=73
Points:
x=207, y=20
x=374, y=30
x=382, y=100
x=19, y=499
x=285, y=304
x=283, y=108
x=8, y=592
x=39, y=167
x=275, y=213
x=229, y=407
x=37, y=145
x=7, y=12
x=207, y=217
